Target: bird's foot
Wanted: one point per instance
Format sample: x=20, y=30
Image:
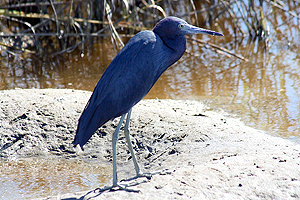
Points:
x=115, y=188
x=124, y=187
x=146, y=175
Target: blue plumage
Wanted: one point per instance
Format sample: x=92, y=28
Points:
x=130, y=76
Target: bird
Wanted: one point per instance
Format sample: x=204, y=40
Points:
x=129, y=77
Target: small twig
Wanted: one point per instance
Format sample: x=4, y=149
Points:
x=234, y=17
x=153, y=5
x=27, y=24
x=21, y=5
x=111, y=25
x=219, y=48
x=16, y=48
x=76, y=45
x=46, y=16
x=19, y=21
x=282, y=8
x=55, y=15
x=46, y=21
x=57, y=35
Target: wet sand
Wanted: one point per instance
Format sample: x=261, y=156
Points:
x=205, y=154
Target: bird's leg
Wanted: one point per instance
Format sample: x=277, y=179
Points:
x=139, y=173
x=126, y=132
x=114, y=147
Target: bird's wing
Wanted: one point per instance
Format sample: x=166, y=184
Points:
x=125, y=82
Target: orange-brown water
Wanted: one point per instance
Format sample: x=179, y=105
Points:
x=34, y=177
x=263, y=92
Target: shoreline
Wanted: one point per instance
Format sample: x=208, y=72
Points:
x=208, y=154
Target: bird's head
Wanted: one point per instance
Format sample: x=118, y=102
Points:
x=173, y=26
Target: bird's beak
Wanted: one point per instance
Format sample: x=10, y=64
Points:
x=189, y=29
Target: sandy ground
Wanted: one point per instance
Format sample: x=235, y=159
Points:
x=207, y=155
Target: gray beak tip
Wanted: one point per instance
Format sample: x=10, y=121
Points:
x=217, y=34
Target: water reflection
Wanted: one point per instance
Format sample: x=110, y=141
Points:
x=27, y=178
x=263, y=91
x=75, y=70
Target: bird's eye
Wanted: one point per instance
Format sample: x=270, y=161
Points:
x=180, y=26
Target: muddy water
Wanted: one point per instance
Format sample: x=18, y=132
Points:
x=34, y=178
x=263, y=92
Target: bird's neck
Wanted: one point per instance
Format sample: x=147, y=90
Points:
x=177, y=44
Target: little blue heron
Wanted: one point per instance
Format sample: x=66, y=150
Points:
x=129, y=77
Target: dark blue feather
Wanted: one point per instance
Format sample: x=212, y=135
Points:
x=133, y=72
